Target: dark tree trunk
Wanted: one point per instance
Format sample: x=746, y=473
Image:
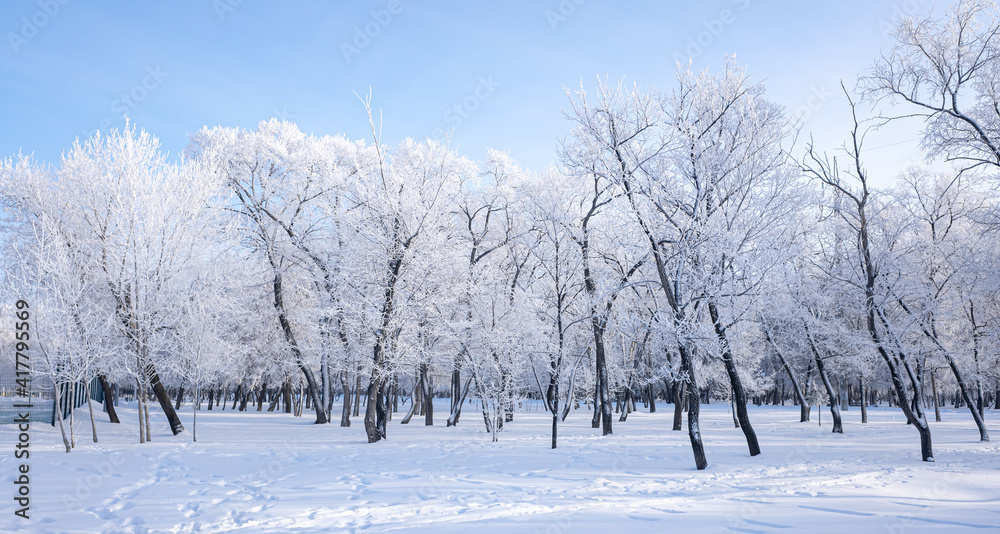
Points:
x=456, y=393
x=345, y=411
x=845, y=396
x=161, y=397
x=604, y=394
x=624, y=400
x=109, y=405
x=414, y=401
x=312, y=393
x=375, y=416
x=627, y=397
x=671, y=292
x=808, y=386
x=554, y=404
x=694, y=430
x=739, y=395
x=245, y=399
x=357, y=394
x=966, y=397
x=869, y=271
x=963, y=389
x=838, y=427
x=864, y=403
x=680, y=396
x=937, y=400
x=389, y=386
x=508, y=395
x=275, y=399
x=732, y=405
x=595, y=421
x=180, y=398
x=375, y=413
x=286, y=328
x=260, y=396
x=457, y=411
x=913, y=415
x=799, y=397
x=211, y=397
x=395, y=395
x=325, y=382
x=598, y=322
x=428, y=394
x=418, y=400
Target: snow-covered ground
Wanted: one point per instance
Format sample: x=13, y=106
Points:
x=260, y=472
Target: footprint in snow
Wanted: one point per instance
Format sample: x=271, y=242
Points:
x=125, y=505
x=134, y=520
x=238, y=517
x=101, y=513
x=189, y=509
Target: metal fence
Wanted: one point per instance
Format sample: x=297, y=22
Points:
x=39, y=404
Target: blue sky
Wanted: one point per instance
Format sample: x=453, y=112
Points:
x=492, y=73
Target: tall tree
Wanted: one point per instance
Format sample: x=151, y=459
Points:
x=850, y=187
x=946, y=70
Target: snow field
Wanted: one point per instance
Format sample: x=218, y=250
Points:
x=261, y=472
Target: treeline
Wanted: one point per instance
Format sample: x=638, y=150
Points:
x=684, y=249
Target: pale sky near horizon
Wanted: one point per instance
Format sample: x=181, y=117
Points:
x=492, y=74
